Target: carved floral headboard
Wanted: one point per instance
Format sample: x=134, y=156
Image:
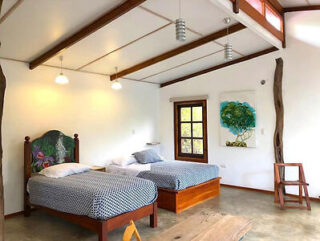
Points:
x=51, y=149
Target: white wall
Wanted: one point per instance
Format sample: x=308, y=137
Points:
x=105, y=119
x=253, y=167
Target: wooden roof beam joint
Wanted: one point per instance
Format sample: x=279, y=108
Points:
x=301, y=8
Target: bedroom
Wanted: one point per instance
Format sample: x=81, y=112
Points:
x=115, y=123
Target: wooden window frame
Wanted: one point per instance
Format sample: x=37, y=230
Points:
x=275, y=12
x=177, y=138
x=261, y=18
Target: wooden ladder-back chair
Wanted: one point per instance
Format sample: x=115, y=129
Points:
x=279, y=185
x=130, y=231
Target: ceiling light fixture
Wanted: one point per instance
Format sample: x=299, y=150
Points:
x=116, y=85
x=180, y=27
x=228, y=45
x=61, y=78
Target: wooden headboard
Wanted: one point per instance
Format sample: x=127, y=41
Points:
x=50, y=149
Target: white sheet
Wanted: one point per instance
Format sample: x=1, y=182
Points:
x=129, y=170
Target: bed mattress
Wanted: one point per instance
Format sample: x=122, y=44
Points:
x=94, y=194
x=174, y=175
x=179, y=175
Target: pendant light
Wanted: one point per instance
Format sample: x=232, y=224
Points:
x=116, y=85
x=180, y=27
x=228, y=45
x=61, y=78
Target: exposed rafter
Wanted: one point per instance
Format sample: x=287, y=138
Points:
x=220, y=66
x=10, y=11
x=302, y=8
x=179, y=50
x=86, y=31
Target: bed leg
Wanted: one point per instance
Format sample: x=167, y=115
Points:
x=154, y=216
x=103, y=232
x=27, y=210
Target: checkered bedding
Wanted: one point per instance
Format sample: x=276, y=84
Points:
x=179, y=175
x=98, y=195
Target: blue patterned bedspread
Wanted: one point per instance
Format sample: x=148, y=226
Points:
x=178, y=175
x=95, y=194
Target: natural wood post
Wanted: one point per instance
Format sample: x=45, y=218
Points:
x=278, y=103
x=27, y=174
x=76, y=148
x=2, y=91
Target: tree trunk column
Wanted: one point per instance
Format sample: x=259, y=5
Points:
x=278, y=103
x=2, y=91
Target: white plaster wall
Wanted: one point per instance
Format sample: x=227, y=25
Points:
x=108, y=122
x=253, y=167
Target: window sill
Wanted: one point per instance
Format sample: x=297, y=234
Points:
x=191, y=159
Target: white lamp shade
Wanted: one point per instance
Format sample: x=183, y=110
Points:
x=62, y=79
x=116, y=85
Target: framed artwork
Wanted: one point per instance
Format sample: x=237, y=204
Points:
x=238, y=119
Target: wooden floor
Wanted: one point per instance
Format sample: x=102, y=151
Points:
x=270, y=223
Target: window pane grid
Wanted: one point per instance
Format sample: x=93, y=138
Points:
x=191, y=122
x=187, y=138
x=191, y=132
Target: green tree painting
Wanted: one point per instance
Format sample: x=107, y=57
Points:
x=240, y=119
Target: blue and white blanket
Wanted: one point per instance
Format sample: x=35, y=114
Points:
x=178, y=175
x=98, y=195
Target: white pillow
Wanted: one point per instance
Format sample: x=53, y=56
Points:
x=124, y=160
x=64, y=169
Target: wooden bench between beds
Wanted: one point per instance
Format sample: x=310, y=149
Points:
x=178, y=201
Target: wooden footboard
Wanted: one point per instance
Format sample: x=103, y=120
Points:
x=102, y=227
x=178, y=201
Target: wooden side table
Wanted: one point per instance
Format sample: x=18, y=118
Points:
x=98, y=169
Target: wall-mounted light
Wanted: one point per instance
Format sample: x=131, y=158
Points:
x=116, y=85
x=61, y=78
x=228, y=45
x=180, y=27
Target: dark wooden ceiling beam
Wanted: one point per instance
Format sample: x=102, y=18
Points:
x=220, y=66
x=10, y=11
x=236, y=8
x=179, y=50
x=301, y=8
x=86, y=31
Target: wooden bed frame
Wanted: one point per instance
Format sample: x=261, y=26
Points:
x=178, y=201
x=102, y=227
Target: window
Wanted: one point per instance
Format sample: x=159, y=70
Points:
x=273, y=18
x=257, y=4
x=270, y=14
x=190, y=120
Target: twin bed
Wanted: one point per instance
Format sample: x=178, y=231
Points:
x=181, y=185
x=102, y=201
x=97, y=201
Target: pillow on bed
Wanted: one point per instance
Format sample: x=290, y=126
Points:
x=124, y=160
x=64, y=169
x=147, y=156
